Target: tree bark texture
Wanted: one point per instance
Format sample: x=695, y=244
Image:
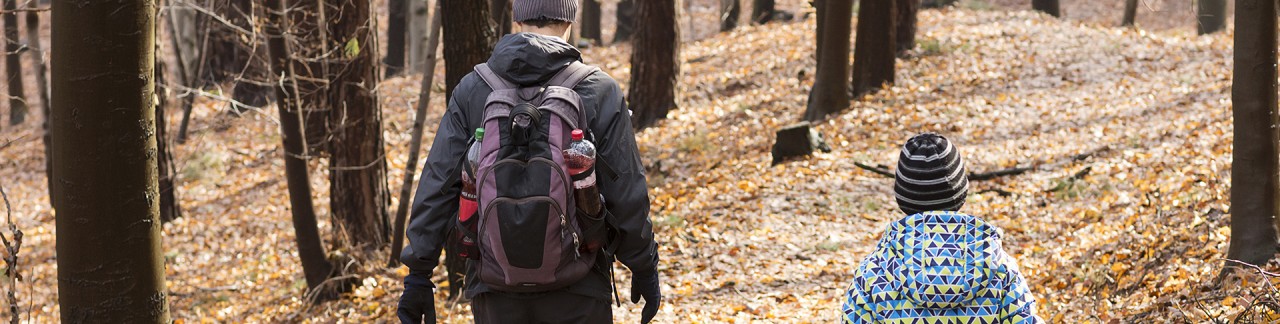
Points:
x=42, y=89
x=1211, y=16
x=315, y=265
x=762, y=11
x=1255, y=168
x=655, y=62
x=396, y=30
x=358, y=166
x=874, y=56
x=13, y=65
x=110, y=267
x=906, y=25
x=625, y=21
x=419, y=18
x=730, y=12
x=415, y=142
x=1050, y=7
x=169, y=209
x=1130, y=12
x=830, y=93
x=502, y=19
x=591, y=12
x=469, y=37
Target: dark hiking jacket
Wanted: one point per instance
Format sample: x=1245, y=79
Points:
x=527, y=60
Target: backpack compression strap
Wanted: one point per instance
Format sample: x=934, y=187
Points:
x=494, y=81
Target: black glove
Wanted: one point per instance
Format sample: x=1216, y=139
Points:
x=645, y=284
x=418, y=304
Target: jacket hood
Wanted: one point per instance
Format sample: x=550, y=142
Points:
x=946, y=259
x=530, y=59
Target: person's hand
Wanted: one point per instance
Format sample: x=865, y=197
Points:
x=645, y=284
x=417, y=304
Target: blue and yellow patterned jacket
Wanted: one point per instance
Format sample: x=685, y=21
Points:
x=939, y=267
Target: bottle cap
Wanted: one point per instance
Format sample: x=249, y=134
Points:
x=576, y=135
x=479, y=134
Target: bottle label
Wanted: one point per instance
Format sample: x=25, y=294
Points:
x=466, y=208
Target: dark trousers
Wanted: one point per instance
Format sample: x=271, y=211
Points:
x=552, y=307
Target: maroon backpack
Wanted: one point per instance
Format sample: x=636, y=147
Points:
x=528, y=234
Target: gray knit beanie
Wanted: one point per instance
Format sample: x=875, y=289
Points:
x=562, y=10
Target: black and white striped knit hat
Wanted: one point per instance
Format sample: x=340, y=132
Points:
x=562, y=10
x=931, y=175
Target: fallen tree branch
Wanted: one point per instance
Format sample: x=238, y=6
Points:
x=974, y=176
x=877, y=169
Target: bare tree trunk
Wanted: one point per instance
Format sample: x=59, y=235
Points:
x=309, y=51
x=358, y=166
x=316, y=267
x=1255, y=168
x=1211, y=16
x=42, y=89
x=468, y=38
x=730, y=12
x=169, y=209
x=655, y=62
x=591, y=22
x=830, y=93
x=762, y=11
x=1130, y=12
x=501, y=11
x=248, y=70
x=418, y=19
x=396, y=30
x=194, y=80
x=626, y=21
x=13, y=65
x=110, y=267
x=906, y=24
x=874, y=59
x=1050, y=7
x=415, y=144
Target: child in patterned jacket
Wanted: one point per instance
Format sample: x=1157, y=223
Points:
x=937, y=265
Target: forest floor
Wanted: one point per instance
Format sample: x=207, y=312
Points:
x=1122, y=220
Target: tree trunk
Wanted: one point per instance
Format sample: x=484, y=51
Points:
x=1255, y=168
x=169, y=209
x=873, y=57
x=309, y=50
x=1050, y=7
x=830, y=93
x=730, y=12
x=655, y=62
x=110, y=267
x=42, y=89
x=418, y=20
x=13, y=65
x=626, y=21
x=501, y=12
x=591, y=22
x=906, y=24
x=358, y=166
x=1130, y=12
x=468, y=39
x=1211, y=16
x=195, y=80
x=762, y=11
x=396, y=28
x=415, y=143
x=315, y=265
x=248, y=70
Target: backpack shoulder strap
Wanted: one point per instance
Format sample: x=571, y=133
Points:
x=494, y=81
x=572, y=75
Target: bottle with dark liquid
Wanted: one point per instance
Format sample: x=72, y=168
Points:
x=580, y=157
x=467, y=202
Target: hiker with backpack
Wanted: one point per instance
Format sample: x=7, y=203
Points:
x=937, y=265
x=534, y=256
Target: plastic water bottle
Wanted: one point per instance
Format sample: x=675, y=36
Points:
x=467, y=202
x=581, y=159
